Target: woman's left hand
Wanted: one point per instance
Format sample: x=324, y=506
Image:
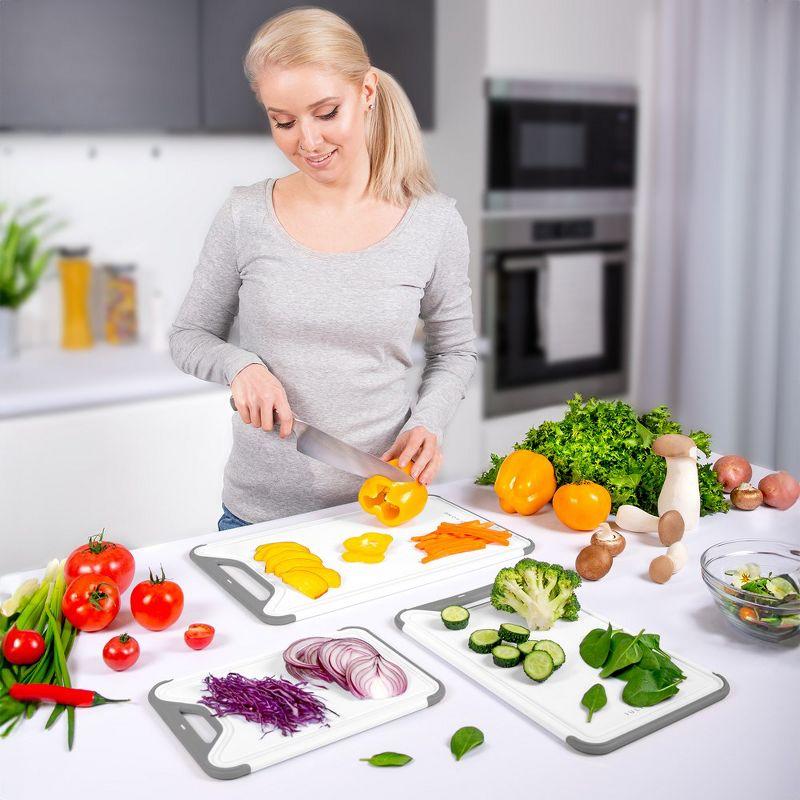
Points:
x=420, y=446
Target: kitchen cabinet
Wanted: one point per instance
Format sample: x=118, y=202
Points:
x=398, y=35
x=136, y=65
x=101, y=65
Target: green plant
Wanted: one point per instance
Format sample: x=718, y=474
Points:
x=23, y=258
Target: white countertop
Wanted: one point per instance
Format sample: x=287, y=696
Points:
x=50, y=380
x=744, y=741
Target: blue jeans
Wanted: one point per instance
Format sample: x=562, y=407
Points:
x=228, y=520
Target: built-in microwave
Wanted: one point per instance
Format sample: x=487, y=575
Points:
x=560, y=145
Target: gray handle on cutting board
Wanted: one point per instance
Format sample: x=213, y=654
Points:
x=173, y=714
x=212, y=566
x=463, y=599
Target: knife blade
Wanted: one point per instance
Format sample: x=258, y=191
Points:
x=316, y=444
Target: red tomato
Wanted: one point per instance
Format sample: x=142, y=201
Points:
x=121, y=652
x=101, y=558
x=198, y=635
x=23, y=647
x=156, y=603
x=91, y=602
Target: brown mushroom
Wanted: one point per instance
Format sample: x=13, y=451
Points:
x=593, y=562
x=670, y=527
x=661, y=569
x=746, y=497
x=613, y=541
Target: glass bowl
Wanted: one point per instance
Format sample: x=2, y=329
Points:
x=754, y=614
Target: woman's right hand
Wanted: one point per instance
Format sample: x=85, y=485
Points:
x=258, y=396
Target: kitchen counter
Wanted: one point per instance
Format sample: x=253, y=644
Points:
x=49, y=380
x=129, y=747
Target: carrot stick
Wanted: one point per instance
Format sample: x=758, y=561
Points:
x=453, y=551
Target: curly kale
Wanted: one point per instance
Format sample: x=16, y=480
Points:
x=606, y=442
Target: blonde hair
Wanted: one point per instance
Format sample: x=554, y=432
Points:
x=399, y=168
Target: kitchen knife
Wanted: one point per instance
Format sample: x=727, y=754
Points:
x=323, y=447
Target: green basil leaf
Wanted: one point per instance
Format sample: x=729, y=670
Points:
x=594, y=699
x=595, y=646
x=625, y=650
x=643, y=690
x=388, y=759
x=464, y=740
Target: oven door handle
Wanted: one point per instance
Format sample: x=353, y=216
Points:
x=522, y=263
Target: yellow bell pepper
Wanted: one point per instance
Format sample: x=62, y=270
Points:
x=392, y=502
x=369, y=548
x=525, y=482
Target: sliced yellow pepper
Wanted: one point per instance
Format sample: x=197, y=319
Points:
x=525, y=482
x=392, y=502
x=368, y=548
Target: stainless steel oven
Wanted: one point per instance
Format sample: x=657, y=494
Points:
x=555, y=307
x=559, y=145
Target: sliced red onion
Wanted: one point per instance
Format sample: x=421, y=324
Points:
x=335, y=655
x=375, y=678
x=301, y=659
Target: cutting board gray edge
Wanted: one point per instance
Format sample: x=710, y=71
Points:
x=482, y=593
x=171, y=713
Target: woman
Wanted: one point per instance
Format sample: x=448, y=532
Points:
x=329, y=269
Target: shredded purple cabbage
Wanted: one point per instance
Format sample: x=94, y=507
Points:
x=275, y=704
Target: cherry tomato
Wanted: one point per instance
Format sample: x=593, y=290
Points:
x=101, y=558
x=156, y=603
x=91, y=602
x=582, y=506
x=198, y=635
x=121, y=652
x=23, y=647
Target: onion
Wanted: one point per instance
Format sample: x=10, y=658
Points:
x=302, y=661
x=375, y=678
x=336, y=654
x=352, y=663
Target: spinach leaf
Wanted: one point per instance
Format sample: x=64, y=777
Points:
x=649, y=659
x=464, y=740
x=667, y=666
x=625, y=650
x=595, y=646
x=388, y=759
x=647, y=688
x=651, y=640
x=594, y=699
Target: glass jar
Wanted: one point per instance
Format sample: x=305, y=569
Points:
x=120, y=303
x=76, y=277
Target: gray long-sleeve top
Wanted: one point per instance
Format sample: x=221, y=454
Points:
x=336, y=330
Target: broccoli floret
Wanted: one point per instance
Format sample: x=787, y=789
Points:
x=539, y=592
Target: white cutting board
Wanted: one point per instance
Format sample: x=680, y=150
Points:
x=555, y=703
x=229, y=561
x=238, y=747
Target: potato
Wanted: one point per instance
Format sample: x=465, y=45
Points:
x=732, y=471
x=780, y=489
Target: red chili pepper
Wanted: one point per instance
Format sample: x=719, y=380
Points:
x=47, y=693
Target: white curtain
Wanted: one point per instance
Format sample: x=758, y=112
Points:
x=721, y=322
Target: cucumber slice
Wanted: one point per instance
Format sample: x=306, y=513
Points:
x=555, y=650
x=538, y=665
x=513, y=633
x=455, y=617
x=527, y=647
x=506, y=655
x=483, y=640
